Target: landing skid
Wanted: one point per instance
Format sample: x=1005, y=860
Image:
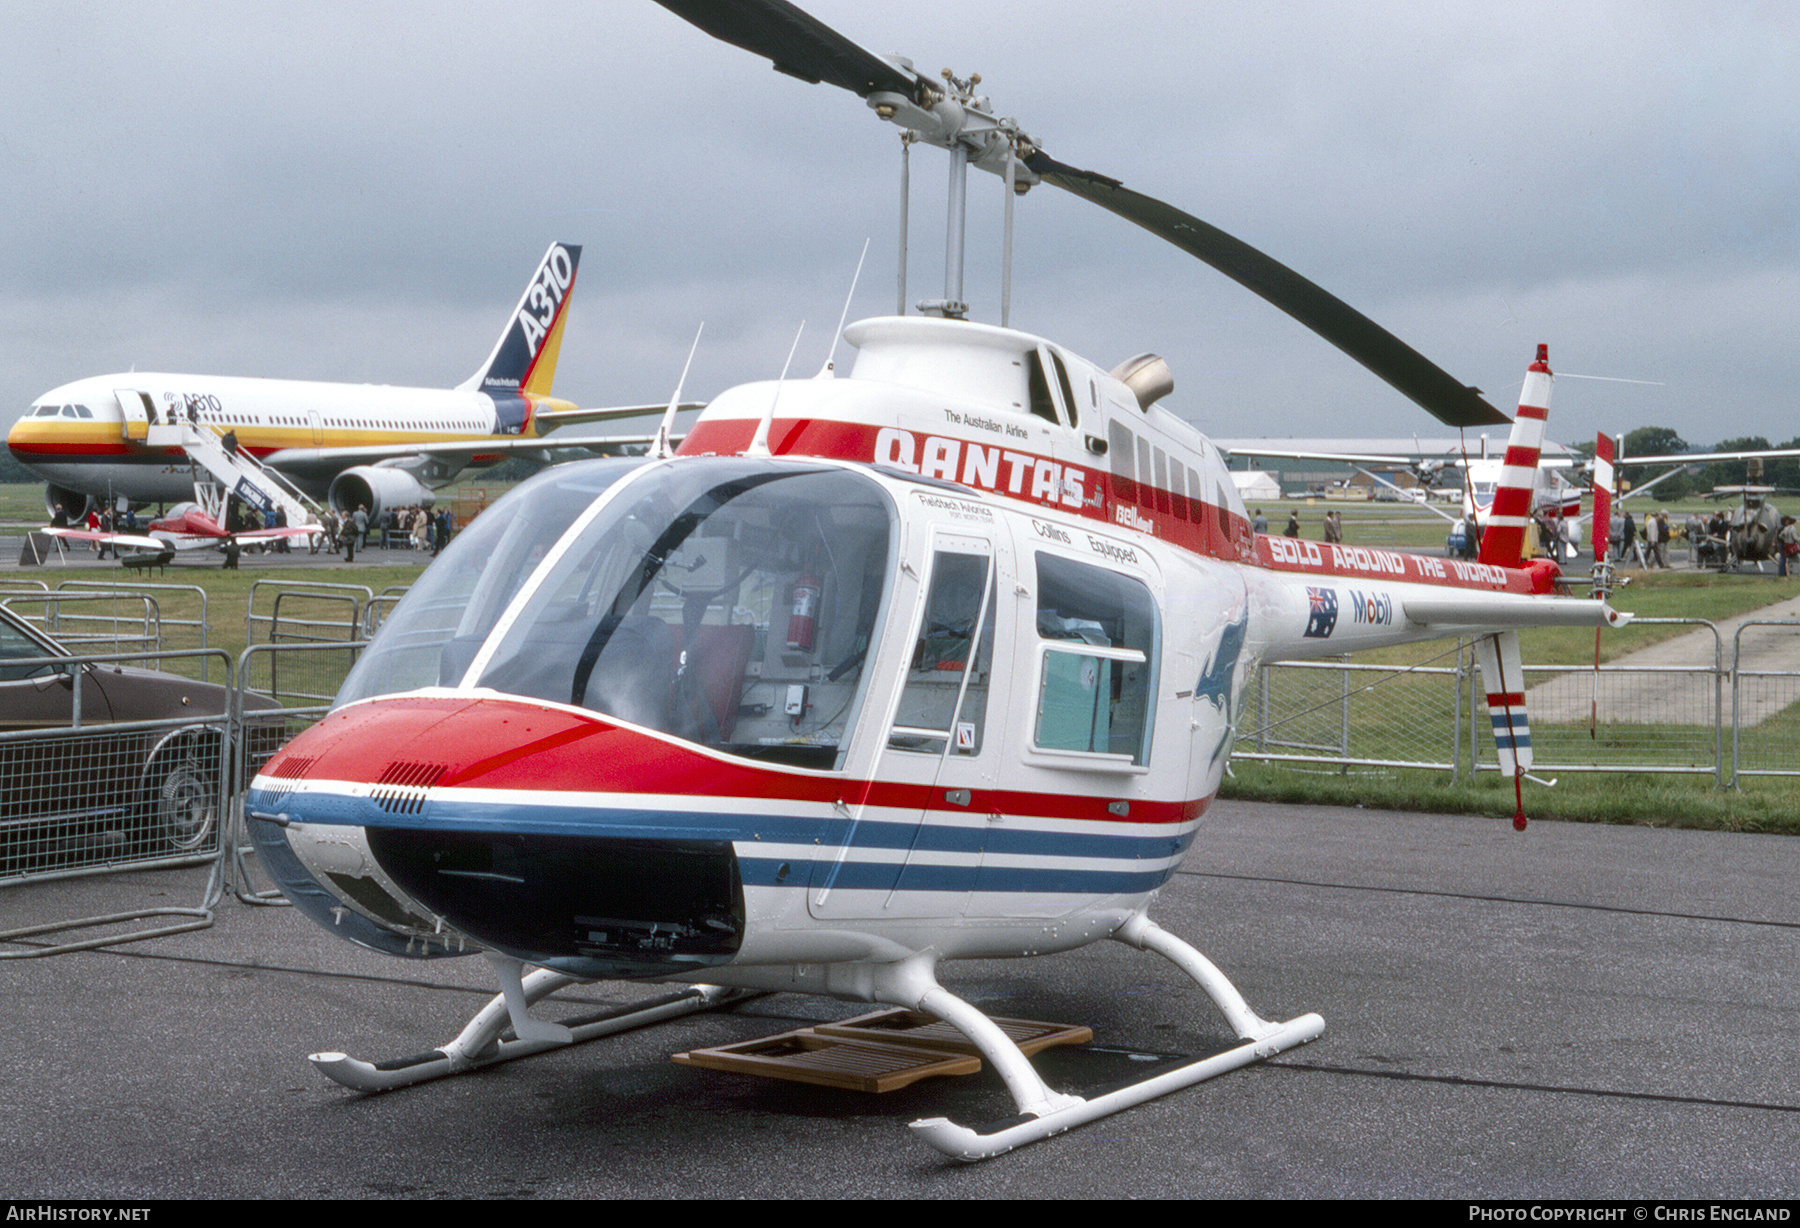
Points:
x=912, y=983
x=479, y=1044
x=1043, y=1112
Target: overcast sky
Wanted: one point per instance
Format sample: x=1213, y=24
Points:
x=360, y=192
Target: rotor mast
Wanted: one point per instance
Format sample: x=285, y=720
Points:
x=962, y=123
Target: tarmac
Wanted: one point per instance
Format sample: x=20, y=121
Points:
x=1572, y=1012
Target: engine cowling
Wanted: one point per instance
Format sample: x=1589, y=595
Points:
x=376, y=487
x=75, y=504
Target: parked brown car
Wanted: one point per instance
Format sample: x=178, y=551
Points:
x=101, y=794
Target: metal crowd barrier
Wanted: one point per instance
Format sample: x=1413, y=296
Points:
x=142, y=629
x=320, y=669
x=306, y=613
x=306, y=620
x=1765, y=724
x=180, y=625
x=97, y=796
x=1737, y=716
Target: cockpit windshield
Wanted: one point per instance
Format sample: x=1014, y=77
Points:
x=434, y=633
x=725, y=601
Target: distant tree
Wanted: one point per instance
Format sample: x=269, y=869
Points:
x=1655, y=441
x=12, y=471
x=1785, y=473
x=1658, y=441
x=512, y=469
x=1731, y=473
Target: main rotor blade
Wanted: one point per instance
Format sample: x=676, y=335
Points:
x=798, y=43
x=1333, y=319
x=802, y=46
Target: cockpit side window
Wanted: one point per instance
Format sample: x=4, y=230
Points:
x=943, y=706
x=1068, y=394
x=1041, y=404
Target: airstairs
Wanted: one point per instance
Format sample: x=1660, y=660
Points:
x=237, y=472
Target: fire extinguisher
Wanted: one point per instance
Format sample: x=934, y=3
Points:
x=804, y=623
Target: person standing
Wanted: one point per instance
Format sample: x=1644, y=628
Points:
x=356, y=525
x=1787, y=546
x=1293, y=524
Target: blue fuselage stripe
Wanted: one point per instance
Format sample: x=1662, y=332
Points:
x=881, y=854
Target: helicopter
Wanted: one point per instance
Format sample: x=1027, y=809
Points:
x=938, y=660
x=1748, y=532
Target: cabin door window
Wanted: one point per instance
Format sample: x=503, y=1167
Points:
x=943, y=703
x=1097, y=648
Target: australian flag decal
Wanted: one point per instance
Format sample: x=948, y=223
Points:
x=1324, y=612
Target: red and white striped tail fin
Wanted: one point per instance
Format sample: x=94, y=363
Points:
x=1509, y=519
x=1603, y=488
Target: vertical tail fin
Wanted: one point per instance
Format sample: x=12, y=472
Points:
x=524, y=359
x=1503, y=678
x=1503, y=542
x=1603, y=488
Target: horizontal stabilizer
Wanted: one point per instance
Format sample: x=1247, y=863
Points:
x=1509, y=610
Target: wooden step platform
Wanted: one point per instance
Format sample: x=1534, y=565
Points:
x=877, y=1052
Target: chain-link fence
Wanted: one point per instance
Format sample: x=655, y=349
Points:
x=1691, y=704
x=1765, y=699
x=105, y=765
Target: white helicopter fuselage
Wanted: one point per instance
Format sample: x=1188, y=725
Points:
x=941, y=675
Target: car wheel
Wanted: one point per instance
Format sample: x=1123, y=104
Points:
x=181, y=792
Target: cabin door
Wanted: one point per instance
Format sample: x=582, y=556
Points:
x=914, y=849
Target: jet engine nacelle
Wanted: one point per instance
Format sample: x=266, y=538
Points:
x=73, y=503
x=376, y=487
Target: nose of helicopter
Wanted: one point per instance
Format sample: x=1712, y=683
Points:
x=554, y=836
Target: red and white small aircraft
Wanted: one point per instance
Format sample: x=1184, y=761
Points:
x=938, y=661
x=186, y=526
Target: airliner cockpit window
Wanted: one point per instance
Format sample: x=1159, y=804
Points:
x=728, y=602
x=432, y=636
